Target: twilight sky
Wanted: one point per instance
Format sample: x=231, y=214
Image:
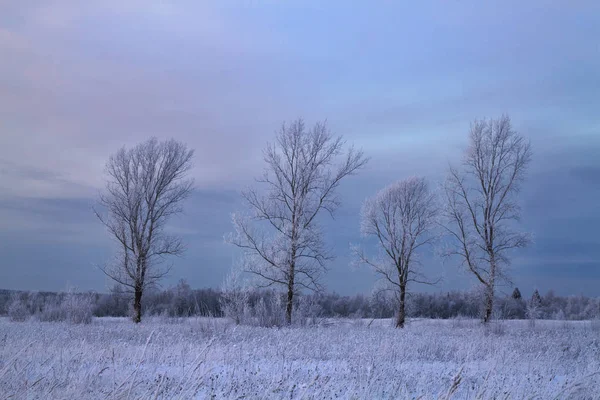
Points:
x=402, y=80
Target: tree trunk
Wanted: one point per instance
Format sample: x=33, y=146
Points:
x=137, y=305
x=489, y=303
x=290, y=297
x=288, y=306
x=401, y=310
x=489, y=292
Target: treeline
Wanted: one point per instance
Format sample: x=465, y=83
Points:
x=183, y=301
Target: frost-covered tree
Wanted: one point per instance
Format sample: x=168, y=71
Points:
x=300, y=180
x=481, y=205
x=533, y=308
x=145, y=186
x=401, y=217
x=516, y=294
x=536, y=299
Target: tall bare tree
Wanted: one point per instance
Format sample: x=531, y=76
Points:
x=300, y=179
x=145, y=187
x=481, y=205
x=402, y=218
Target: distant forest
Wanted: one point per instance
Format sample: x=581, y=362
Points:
x=183, y=301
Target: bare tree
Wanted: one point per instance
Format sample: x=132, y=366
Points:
x=145, y=187
x=480, y=202
x=301, y=179
x=402, y=218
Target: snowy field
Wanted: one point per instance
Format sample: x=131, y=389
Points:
x=210, y=358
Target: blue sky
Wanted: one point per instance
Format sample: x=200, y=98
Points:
x=402, y=80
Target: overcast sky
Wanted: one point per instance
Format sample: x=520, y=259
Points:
x=402, y=80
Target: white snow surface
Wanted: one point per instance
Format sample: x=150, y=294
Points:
x=200, y=358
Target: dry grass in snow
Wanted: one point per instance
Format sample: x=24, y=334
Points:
x=210, y=358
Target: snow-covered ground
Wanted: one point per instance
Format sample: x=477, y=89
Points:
x=210, y=358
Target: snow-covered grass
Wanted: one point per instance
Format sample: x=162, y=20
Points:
x=211, y=358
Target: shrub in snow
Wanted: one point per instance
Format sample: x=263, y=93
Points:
x=308, y=311
x=512, y=308
x=17, y=310
x=234, y=297
x=52, y=311
x=233, y=304
x=78, y=308
x=268, y=312
x=263, y=309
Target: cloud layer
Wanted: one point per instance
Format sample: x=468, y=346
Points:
x=78, y=81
